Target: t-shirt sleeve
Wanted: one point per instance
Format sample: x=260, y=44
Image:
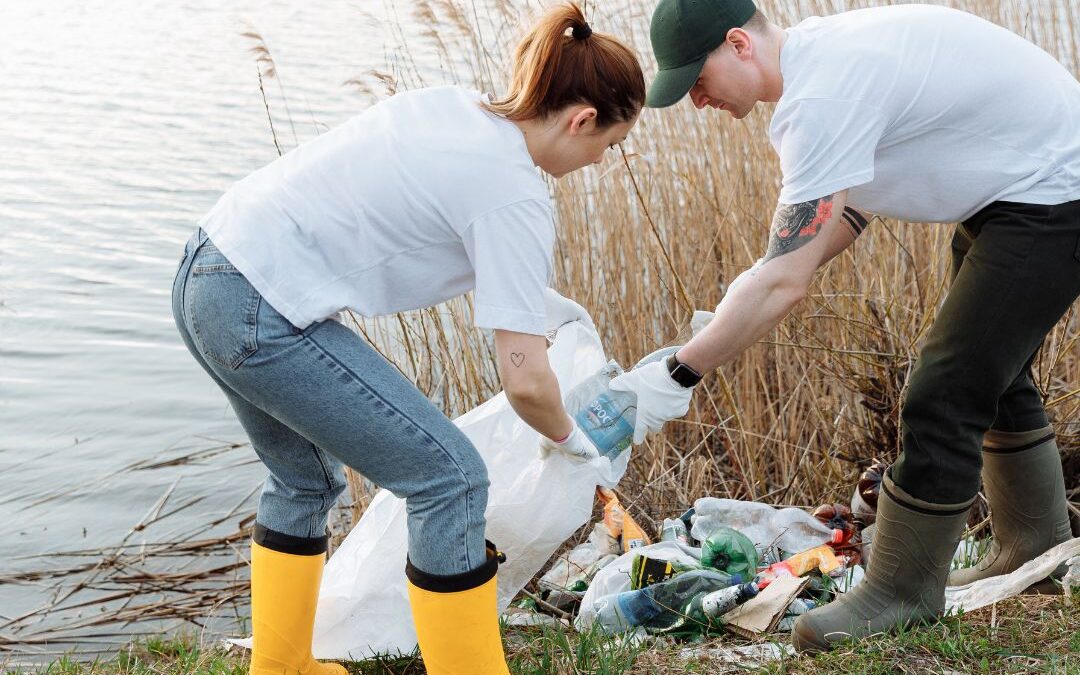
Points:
x=825, y=146
x=510, y=249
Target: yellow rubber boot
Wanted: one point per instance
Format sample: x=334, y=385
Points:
x=457, y=621
x=284, y=591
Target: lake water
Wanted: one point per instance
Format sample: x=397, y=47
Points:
x=122, y=122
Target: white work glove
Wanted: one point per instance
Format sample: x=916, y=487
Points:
x=659, y=398
x=561, y=310
x=577, y=446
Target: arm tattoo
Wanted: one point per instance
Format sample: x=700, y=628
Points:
x=796, y=225
x=854, y=220
x=517, y=358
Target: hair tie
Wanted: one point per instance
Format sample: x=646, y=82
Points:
x=581, y=32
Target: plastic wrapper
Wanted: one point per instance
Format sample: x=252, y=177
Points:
x=534, y=505
x=620, y=523
x=791, y=529
x=741, y=658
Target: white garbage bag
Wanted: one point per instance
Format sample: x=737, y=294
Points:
x=534, y=505
x=983, y=592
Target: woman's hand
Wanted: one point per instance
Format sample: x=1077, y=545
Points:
x=562, y=310
x=576, y=446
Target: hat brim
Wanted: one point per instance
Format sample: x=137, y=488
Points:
x=672, y=84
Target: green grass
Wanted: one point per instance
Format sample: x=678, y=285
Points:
x=1021, y=635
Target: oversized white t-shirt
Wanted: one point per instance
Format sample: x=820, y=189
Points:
x=421, y=198
x=925, y=113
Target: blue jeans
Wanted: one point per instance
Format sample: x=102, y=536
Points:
x=312, y=400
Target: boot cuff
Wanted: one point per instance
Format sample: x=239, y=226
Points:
x=287, y=543
x=1016, y=441
x=454, y=583
x=898, y=495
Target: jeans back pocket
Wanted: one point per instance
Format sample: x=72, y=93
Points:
x=222, y=309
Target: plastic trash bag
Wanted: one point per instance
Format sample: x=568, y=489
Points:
x=791, y=529
x=534, y=505
x=995, y=589
x=573, y=570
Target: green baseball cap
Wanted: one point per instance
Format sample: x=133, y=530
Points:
x=683, y=32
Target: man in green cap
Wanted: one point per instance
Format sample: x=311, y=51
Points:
x=925, y=114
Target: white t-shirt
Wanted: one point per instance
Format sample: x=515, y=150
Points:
x=925, y=113
x=419, y=199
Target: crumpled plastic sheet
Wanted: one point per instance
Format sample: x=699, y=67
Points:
x=745, y=656
x=528, y=618
x=995, y=589
x=792, y=529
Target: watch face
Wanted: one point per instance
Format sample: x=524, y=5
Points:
x=685, y=375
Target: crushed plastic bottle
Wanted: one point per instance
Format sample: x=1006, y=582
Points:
x=607, y=417
x=729, y=551
x=675, y=529
x=790, y=529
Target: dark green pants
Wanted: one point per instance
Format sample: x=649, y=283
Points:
x=1016, y=271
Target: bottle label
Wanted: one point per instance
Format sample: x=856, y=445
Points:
x=605, y=426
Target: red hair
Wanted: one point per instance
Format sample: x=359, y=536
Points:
x=553, y=70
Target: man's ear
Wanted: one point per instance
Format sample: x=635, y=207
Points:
x=583, y=121
x=741, y=42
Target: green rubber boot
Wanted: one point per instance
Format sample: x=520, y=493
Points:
x=1022, y=480
x=913, y=547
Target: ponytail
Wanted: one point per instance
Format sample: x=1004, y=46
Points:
x=553, y=70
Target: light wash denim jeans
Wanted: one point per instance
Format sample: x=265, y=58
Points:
x=311, y=400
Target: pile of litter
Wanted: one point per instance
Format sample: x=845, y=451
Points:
x=724, y=565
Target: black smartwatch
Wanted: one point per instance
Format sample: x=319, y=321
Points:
x=682, y=373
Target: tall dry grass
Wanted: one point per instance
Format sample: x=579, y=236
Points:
x=672, y=217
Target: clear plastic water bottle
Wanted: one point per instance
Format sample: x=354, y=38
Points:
x=607, y=417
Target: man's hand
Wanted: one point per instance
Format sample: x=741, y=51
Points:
x=659, y=398
x=562, y=310
x=576, y=446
